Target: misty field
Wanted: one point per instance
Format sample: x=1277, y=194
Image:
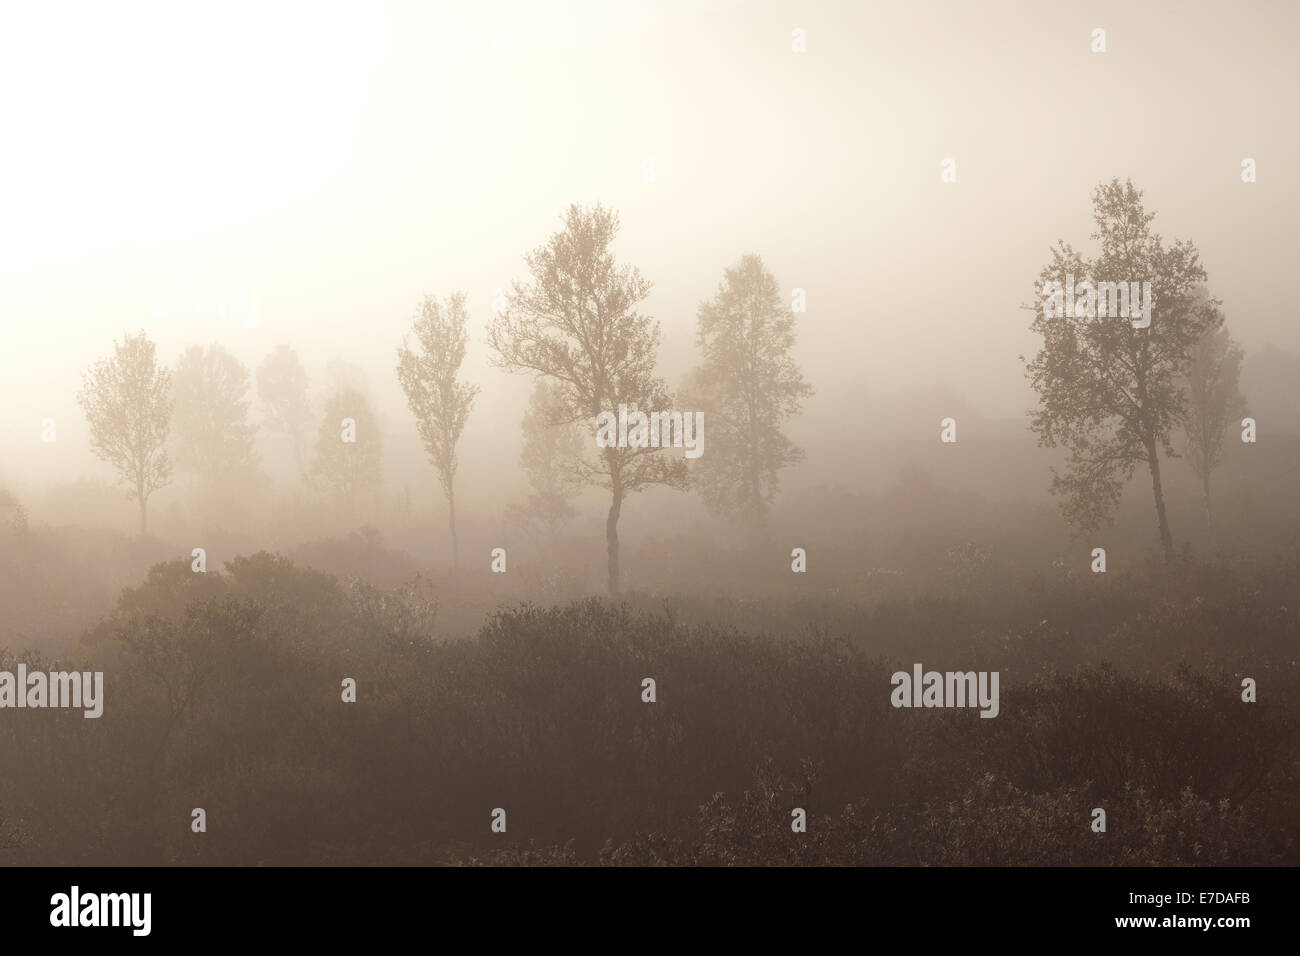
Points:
x=686, y=432
x=223, y=692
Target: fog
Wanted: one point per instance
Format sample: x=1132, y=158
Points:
x=343, y=162
x=304, y=174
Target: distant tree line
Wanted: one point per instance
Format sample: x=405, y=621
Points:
x=574, y=324
x=1114, y=394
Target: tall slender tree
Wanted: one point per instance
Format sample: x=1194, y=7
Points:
x=748, y=385
x=441, y=404
x=127, y=401
x=1109, y=391
x=576, y=322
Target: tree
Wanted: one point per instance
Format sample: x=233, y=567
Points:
x=748, y=385
x=127, y=401
x=440, y=404
x=549, y=457
x=1214, y=404
x=1110, y=392
x=213, y=437
x=576, y=323
x=282, y=389
x=349, y=450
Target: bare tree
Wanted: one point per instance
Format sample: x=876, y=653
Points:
x=282, y=388
x=441, y=405
x=748, y=385
x=576, y=323
x=1214, y=404
x=1110, y=391
x=127, y=401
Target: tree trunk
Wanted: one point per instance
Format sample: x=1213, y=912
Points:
x=1166, y=538
x=611, y=539
x=143, y=517
x=451, y=521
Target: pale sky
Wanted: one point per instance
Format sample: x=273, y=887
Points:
x=345, y=159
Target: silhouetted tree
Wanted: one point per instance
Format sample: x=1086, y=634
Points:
x=1110, y=393
x=127, y=401
x=440, y=404
x=349, y=449
x=1214, y=404
x=213, y=436
x=747, y=387
x=577, y=323
x=282, y=388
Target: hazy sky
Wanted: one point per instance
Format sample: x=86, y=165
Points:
x=345, y=159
